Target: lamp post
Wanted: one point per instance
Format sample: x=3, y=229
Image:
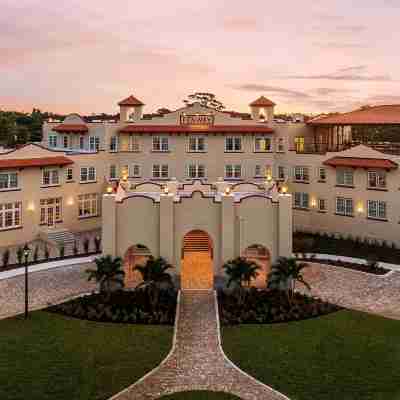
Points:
x=27, y=251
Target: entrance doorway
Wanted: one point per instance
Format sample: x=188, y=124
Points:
x=197, y=261
x=50, y=211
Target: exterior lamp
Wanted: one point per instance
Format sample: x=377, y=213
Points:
x=313, y=203
x=284, y=189
x=26, y=252
x=227, y=191
x=166, y=190
x=125, y=177
x=269, y=178
x=109, y=190
x=360, y=208
x=31, y=206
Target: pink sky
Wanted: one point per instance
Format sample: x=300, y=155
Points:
x=309, y=56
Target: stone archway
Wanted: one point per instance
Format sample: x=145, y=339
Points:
x=135, y=255
x=197, y=270
x=260, y=255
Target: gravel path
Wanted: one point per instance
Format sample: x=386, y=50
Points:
x=357, y=290
x=45, y=288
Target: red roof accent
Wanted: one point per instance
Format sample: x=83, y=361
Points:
x=262, y=102
x=376, y=115
x=193, y=128
x=34, y=162
x=131, y=101
x=355, y=162
x=71, y=128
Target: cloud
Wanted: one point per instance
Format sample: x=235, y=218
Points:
x=241, y=24
x=323, y=91
x=340, y=45
x=254, y=87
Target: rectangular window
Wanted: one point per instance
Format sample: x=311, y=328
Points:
x=322, y=174
x=299, y=143
x=281, y=173
x=88, y=205
x=125, y=171
x=134, y=143
x=376, y=209
x=197, y=144
x=233, y=171
x=8, y=180
x=50, y=177
x=113, y=172
x=82, y=142
x=50, y=211
x=113, y=144
x=281, y=145
x=160, y=143
x=135, y=172
x=94, y=143
x=10, y=215
x=344, y=177
x=88, y=174
x=65, y=142
x=69, y=175
x=344, y=206
x=321, y=205
x=160, y=171
x=262, y=144
x=263, y=171
x=377, y=179
x=301, y=174
x=301, y=200
x=196, y=171
x=53, y=141
x=233, y=143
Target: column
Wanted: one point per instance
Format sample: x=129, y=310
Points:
x=285, y=228
x=167, y=227
x=109, y=225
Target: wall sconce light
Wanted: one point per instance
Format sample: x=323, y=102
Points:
x=284, y=189
x=166, y=190
x=269, y=178
x=227, y=191
x=70, y=201
x=125, y=178
x=31, y=206
x=313, y=203
x=360, y=208
x=109, y=190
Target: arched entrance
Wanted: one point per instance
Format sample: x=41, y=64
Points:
x=197, y=261
x=135, y=255
x=260, y=255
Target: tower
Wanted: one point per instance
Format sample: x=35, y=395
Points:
x=131, y=109
x=262, y=110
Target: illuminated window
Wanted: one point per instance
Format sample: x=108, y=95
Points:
x=262, y=144
x=299, y=144
x=88, y=205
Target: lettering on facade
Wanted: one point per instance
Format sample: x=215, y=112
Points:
x=197, y=119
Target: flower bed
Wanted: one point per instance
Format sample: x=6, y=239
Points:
x=132, y=307
x=269, y=306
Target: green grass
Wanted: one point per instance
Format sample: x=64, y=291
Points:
x=51, y=357
x=346, y=355
x=200, y=395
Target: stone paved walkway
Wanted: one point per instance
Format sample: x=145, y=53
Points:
x=45, y=288
x=197, y=361
x=357, y=290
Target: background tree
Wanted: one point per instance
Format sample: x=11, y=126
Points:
x=205, y=99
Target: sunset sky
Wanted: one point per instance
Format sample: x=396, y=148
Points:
x=310, y=55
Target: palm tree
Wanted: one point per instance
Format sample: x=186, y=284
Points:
x=154, y=274
x=285, y=273
x=108, y=274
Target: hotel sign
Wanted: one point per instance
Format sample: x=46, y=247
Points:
x=197, y=119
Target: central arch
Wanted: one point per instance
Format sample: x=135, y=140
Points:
x=197, y=270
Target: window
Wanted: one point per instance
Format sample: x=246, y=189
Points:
x=344, y=177
x=69, y=175
x=65, y=142
x=8, y=180
x=125, y=171
x=281, y=173
x=299, y=144
x=377, y=179
x=233, y=143
x=301, y=200
x=135, y=172
x=10, y=215
x=50, y=177
x=88, y=174
x=321, y=205
x=113, y=172
x=233, y=171
x=133, y=143
x=52, y=141
x=50, y=211
x=263, y=171
x=81, y=142
x=281, y=146
x=160, y=143
x=160, y=171
x=301, y=174
x=197, y=144
x=344, y=206
x=94, y=143
x=322, y=174
x=196, y=171
x=376, y=209
x=262, y=144
x=113, y=144
x=88, y=205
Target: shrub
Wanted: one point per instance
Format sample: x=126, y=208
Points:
x=36, y=254
x=6, y=257
x=97, y=243
x=20, y=254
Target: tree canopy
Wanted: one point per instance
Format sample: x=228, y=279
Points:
x=205, y=99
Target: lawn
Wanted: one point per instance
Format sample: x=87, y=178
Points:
x=53, y=357
x=346, y=355
x=200, y=396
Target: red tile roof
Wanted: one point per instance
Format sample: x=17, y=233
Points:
x=262, y=102
x=355, y=162
x=376, y=115
x=34, y=162
x=131, y=101
x=71, y=128
x=201, y=129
